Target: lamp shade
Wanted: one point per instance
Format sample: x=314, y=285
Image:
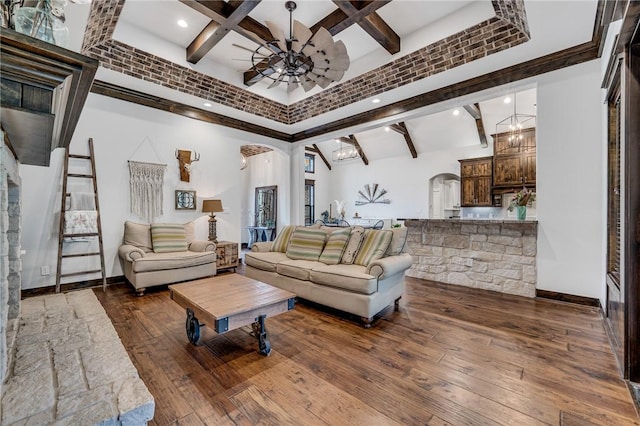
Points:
x=212, y=206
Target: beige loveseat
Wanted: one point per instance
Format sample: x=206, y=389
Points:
x=160, y=253
x=350, y=269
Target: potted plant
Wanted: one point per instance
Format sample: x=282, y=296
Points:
x=519, y=202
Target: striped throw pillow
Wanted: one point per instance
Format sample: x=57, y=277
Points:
x=306, y=244
x=353, y=245
x=282, y=240
x=168, y=237
x=373, y=246
x=332, y=252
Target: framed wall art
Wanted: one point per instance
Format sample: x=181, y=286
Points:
x=185, y=199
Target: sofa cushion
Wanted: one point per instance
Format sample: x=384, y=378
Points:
x=374, y=245
x=398, y=241
x=168, y=237
x=306, y=244
x=138, y=235
x=355, y=239
x=299, y=269
x=174, y=260
x=282, y=239
x=346, y=277
x=265, y=261
x=332, y=252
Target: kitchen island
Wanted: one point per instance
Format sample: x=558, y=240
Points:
x=491, y=254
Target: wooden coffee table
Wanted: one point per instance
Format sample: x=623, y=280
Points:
x=228, y=302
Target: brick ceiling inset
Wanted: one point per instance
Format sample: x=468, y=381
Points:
x=249, y=150
x=506, y=29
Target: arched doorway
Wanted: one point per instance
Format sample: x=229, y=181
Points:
x=444, y=196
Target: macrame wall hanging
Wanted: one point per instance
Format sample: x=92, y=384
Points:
x=145, y=184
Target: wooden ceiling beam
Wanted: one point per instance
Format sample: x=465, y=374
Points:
x=401, y=128
x=371, y=22
x=355, y=143
x=315, y=149
x=476, y=114
x=351, y=140
x=398, y=129
x=473, y=110
x=338, y=20
x=225, y=16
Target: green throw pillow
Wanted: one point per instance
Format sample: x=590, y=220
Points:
x=373, y=246
x=332, y=252
x=168, y=237
x=306, y=244
x=398, y=241
x=282, y=240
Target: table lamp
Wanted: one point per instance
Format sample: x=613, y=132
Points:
x=212, y=207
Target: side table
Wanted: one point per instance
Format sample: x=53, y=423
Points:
x=226, y=255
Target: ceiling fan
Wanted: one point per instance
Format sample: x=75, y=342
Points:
x=302, y=58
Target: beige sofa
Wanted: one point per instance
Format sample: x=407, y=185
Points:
x=159, y=254
x=351, y=281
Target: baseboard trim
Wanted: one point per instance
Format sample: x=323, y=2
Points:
x=563, y=297
x=39, y=291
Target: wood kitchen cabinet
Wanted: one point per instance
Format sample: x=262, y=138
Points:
x=476, y=182
x=514, y=164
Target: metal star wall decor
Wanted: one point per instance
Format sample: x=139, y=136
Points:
x=372, y=194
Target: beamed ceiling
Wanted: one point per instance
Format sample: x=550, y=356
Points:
x=411, y=55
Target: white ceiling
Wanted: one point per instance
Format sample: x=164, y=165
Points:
x=151, y=25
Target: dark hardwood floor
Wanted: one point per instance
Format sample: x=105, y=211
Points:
x=451, y=355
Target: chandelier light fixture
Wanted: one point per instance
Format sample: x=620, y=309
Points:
x=512, y=127
x=302, y=58
x=345, y=152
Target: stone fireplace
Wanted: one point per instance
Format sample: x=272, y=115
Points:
x=10, y=264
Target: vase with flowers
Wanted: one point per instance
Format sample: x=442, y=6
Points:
x=519, y=202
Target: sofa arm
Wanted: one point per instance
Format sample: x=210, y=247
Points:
x=390, y=265
x=262, y=246
x=130, y=253
x=202, y=245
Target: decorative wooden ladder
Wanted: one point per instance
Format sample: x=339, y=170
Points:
x=62, y=236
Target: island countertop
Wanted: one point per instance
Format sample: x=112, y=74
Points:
x=474, y=221
x=497, y=254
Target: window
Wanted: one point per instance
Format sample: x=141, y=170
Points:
x=309, y=163
x=309, y=201
x=613, y=187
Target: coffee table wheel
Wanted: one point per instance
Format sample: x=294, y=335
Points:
x=264, y=346
x=193, y=327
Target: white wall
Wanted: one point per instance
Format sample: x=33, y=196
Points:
x=570, y=181
x=266, y=169
x=405, y=179
x=124, y=131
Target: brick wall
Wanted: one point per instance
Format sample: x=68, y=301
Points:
x=506, y=29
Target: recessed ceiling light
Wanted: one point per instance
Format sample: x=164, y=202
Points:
x=182, y=23
x=456, y=111
x=387, y=128
x=208, y=104
x=507, y=100
x=376, y=100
